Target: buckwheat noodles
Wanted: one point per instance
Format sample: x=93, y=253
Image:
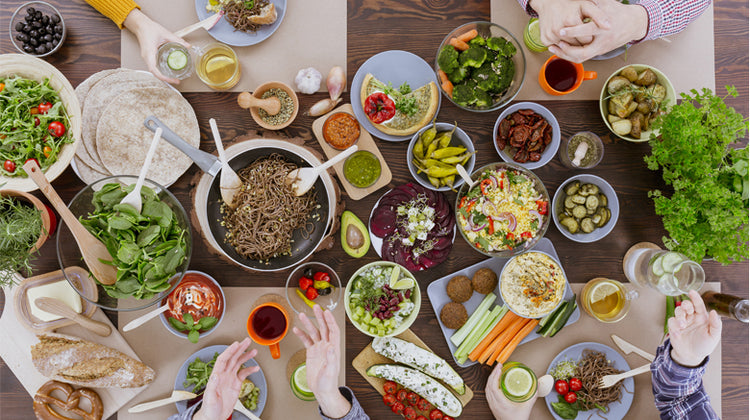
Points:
x=591, y=368
x=237, y=12
x=267, y=212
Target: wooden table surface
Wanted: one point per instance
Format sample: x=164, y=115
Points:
x=93, y=44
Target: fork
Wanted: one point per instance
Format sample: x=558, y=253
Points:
x=609, y=380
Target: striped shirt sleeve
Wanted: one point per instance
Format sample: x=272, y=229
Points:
x=678, y=390
x=668, y=17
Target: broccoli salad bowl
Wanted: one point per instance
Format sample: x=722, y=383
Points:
x=480, y=66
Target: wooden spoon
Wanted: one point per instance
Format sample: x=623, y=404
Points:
x=58, y=307
x=145, y=318
x=92, y=249
x=302, y=179
x=229, y=183
x=176, y=396
x=134, y=197
x=271, y=105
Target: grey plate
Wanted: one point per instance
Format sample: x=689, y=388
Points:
x=224, y=32
x=396, y=67
x=617, y=409
x=438, y=297
x=206, y=354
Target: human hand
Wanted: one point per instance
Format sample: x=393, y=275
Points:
x=503, y=408
x=224, y=384
x=151, y=36
x=323, y=357
x=555, y=15
x=693, y=332
x=629, y=22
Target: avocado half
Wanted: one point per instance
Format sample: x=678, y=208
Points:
x=355, y=239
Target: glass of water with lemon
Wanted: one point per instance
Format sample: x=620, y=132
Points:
x=174, y=61
x=218, y=66
x=298, y=383
x=606, y=300
x=517, y=382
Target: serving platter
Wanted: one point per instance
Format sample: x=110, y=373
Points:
x=393, y=66
x=206, y=354
x=618, y=409
x=224, y=32
x=438, y=296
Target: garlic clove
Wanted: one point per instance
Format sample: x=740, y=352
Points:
x=323, y=106
x=336, y=82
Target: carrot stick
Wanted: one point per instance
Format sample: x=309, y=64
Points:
x=448, y=87
x=443, y=76
x=504, y=322
x=502, y=340
x=468, y=36
x=459, y=45
x=508, y=350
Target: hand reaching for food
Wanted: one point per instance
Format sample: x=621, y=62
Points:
x=504, y=409
x=555, y=15
x=693, y=332
x=323, y=356
x=151, y=35
x=224, y=384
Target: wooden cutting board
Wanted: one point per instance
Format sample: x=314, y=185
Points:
x=16, y=352
x=367, y=357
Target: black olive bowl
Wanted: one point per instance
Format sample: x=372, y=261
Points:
x=37, y=28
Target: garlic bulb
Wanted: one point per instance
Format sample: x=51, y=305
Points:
x=308, y=80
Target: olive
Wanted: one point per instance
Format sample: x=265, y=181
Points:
x=325, y=292
x=48, y=37
x=309, y=273
x=28, y=18
x=57, y=37
x=45, y=19
x=28, y=48
x=59, y=28
x=19, y=26
x=22, y=37
x=30, y=10
x=50, y=29
x=33, y=33
x=36, y=24
x=27, y=28
x=55, y=18
x=41, y=49
x=33, y=42
x=49, y=46
x=38, y=14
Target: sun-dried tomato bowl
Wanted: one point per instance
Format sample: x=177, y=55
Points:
x=549, y=151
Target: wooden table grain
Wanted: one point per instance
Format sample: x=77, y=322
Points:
x=93, y=44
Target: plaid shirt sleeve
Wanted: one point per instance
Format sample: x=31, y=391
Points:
x=668, y=17
x=678, y=390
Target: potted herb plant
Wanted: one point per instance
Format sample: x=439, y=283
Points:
x=24, y=226
x=707, y=213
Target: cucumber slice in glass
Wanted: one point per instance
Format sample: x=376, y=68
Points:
x=656, y=266
x=670, y=261
x=177, y=60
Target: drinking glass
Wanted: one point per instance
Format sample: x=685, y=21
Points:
x=606, y=300
x=669, y=272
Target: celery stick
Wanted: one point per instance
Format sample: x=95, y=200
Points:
x=495, y=316
x=460, y=335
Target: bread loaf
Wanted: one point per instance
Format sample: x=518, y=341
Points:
x=80, y=362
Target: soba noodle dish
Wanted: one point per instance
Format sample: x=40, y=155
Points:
x=267, y=213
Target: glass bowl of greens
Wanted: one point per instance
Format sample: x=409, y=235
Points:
x=151, y=249
x=480, y=66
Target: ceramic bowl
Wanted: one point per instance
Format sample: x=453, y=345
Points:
x=460, y=138
x=549, y=151
x=207, y=279
x=612, y=203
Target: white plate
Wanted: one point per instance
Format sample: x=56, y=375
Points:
x=224, y=32
x=206, y=354
x=393, y=66
x=617, y=409
x=438, y=296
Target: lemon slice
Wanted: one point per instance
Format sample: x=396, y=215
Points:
x=299, y=382
x=518, y=382
x=602, y=290
x=532, y=36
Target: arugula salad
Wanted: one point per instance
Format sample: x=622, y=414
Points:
x=33, y=124
x=146, y=247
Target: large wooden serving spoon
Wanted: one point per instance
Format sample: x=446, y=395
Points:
x=58, y=307
x=92, y=249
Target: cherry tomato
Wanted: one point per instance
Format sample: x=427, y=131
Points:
x=311, y=293
x=52, y=220
x=36, y=122
x=390, y=387
x=397, y=407
x=34, y=111
x=34, y=159
x=410, y=413
x=424, y=405
x=575, y=384
x=2, y=86
x=389, y=399
x=447, y=418
x=56, y=128
x=9, y=165
x=321, y=276
x=421, y=418
x=561, y=387
x=401, y=395
x=47, y=150
x=436, y=414
x=44, y=107
x=571, y=397
x=412, y=398
x=379, y=107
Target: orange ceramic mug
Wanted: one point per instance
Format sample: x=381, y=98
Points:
x=560, y=77
x=267, y=324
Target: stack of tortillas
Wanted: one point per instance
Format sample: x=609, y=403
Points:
x=114, y=140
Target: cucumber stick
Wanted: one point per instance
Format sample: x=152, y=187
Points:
x=460, y=335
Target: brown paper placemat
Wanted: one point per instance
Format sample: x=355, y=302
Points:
x=643, y=327
x=311, y=35
x=165, y=353
x=688, y=60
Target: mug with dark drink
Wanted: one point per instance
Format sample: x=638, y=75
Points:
x=560, y=77
x=267, y=324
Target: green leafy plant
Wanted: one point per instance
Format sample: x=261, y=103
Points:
x=20, y=226
x=191, y=326
x=707, y=214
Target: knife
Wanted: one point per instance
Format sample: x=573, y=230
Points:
x=206, y=23
x=628, y=348
x=176, y=396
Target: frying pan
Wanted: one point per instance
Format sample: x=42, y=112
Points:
x=321, y=217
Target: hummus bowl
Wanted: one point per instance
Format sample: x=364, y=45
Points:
x=532, y=284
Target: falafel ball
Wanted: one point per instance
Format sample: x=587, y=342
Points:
x=454, y=315
x=484, y=281
x=459, y=289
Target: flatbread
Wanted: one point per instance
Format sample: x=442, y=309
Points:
x=123, y=141
x=99, y=96
x=82, y=90
x=428, y=99
x=87, y=174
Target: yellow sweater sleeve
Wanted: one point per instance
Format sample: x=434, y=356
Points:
x=117, y=10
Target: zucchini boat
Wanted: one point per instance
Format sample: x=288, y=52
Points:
x=427, y=387
x=425, y=361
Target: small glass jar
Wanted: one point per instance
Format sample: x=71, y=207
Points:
x=517, y=382
x=362, y=169
x=174, y=60
x=582, y=150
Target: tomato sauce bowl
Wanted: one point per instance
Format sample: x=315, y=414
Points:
x=198, y=294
